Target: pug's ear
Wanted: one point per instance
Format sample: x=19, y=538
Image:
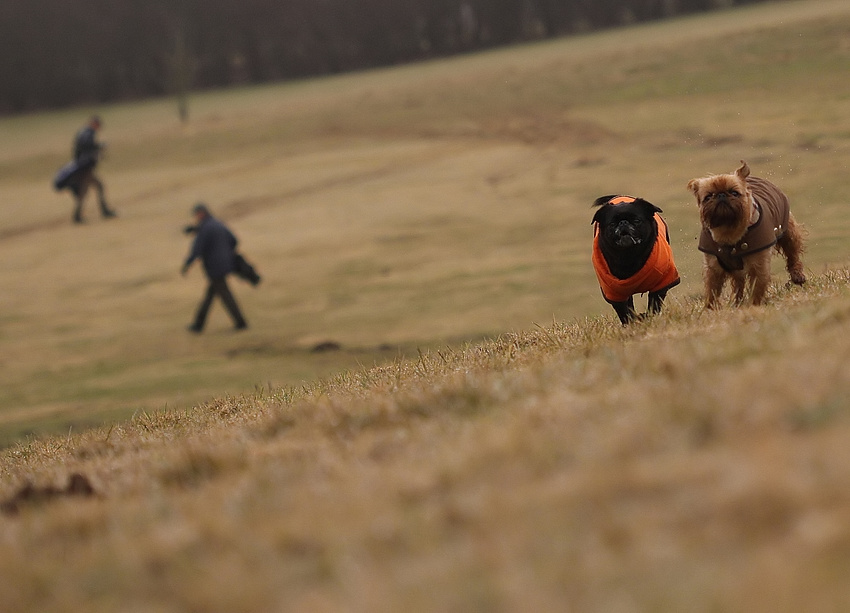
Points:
x=603, y=200
x=599, y=216
x=744, y=171
x=648, y=204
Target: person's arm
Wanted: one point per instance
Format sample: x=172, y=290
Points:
x=195, y=252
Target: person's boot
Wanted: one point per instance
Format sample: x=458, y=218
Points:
x=78, y=213
x=106, y=212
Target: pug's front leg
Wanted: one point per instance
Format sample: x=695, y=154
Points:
x=656, y=302
x=625, y=310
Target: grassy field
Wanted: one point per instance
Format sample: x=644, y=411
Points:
x=407, y=208
x=488, y=437
x=696, y=462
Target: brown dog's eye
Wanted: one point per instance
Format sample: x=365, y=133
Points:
x=707, y=197
x=735, y=193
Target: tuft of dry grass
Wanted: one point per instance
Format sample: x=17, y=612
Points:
x=694, y=461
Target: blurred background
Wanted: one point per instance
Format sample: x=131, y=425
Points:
x=64, y=52
x=404, y=175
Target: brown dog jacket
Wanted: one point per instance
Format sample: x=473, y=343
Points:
x=772, y=223
x=657, y=274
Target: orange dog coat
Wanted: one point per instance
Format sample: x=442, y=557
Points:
x=657, y=274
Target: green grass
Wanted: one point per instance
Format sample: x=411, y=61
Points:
x=412, y=207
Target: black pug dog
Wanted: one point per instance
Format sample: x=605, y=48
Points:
x=632, y=254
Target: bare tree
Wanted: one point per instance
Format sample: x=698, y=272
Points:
x=181, y=66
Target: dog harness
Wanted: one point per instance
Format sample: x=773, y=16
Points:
x=657, y=274
x=774, y=210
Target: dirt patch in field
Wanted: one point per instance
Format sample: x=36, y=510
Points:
x=26, y=230
x=543, y=129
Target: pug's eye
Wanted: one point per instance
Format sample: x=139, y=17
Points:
x=708, y=197
x=735, y=193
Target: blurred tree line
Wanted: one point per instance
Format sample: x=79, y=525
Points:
x=56, y=53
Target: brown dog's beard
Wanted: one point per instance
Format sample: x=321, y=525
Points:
x=721, y=214
x=726, y=207
x=726, y=221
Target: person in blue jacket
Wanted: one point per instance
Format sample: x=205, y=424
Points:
x=215, y=245
x=87, y=152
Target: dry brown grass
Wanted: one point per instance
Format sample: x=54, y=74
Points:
x=403, y=208
x=694, y=462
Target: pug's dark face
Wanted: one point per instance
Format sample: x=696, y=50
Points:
x=627, y=232
x=625, y=224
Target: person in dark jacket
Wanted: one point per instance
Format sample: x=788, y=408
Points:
x=215, y=245
x=87, y=152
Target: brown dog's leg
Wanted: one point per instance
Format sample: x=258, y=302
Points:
x=757, y=269
x=739, y=286
x=714, y=277
x=791, y=246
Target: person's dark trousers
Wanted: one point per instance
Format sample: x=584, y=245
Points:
x=218, y=287
x=81, y=189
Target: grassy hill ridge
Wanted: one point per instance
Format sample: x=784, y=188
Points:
x=693, y=462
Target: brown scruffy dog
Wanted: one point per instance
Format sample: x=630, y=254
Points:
x=742, y=218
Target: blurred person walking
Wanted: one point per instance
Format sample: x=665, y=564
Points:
x=79, y=175
x=215, y=245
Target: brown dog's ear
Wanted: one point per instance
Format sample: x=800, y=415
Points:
x=693, y=186
x=744, y=171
